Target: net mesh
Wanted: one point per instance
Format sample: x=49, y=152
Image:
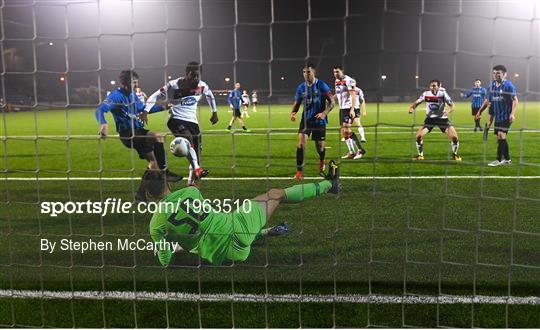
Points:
x=46, y=66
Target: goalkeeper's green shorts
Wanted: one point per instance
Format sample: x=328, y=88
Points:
x=246, y=227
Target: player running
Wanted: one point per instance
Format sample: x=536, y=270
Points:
x=245, y=104
x=219, y=236
x=317, y=99
x=436, y=115
x=254, y=100
x=478, y=94
x=347, y=97
x=503, y=100
x=185, y=94
x=235, y=99
x=126, y=108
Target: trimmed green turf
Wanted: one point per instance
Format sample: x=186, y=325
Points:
x=426, y=236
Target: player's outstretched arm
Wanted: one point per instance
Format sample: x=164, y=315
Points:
x=104, y=107
x=212, y=103
x=157, y=232
x=485, y=104
x=413, y=106
x=160, y=94
x=294, y=111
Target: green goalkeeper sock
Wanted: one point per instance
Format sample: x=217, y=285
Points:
x=301, y=192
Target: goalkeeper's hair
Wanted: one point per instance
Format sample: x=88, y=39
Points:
x=500, y=67
x=193, y=66
x=126, y=76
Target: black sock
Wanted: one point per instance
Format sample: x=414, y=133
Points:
x=229, y=127
x=244, y=128
x=299, y=158
x=322, y=153
x=355, y=139
x=499, y=150
x=477, y=123
x=159, y=152
x=506, y=150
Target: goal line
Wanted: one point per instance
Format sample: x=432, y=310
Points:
x=272, y=298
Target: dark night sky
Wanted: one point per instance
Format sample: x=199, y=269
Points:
x=391, y=38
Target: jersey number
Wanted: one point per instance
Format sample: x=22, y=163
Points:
x=191, y=219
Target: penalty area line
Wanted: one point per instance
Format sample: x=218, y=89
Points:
x=427, y=177
x=273, y=298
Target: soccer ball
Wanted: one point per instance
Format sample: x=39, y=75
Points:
x=180, y=147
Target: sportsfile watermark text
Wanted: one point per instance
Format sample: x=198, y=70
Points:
x=112, y=206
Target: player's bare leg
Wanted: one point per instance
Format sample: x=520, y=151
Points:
x=422, y=131
x=488, y=126
x=320, y=146
x=297, y=194
x=453, y=137
x=245, y=112
x=300, y=152
x=160, y=157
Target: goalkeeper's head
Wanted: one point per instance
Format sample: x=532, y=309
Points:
x=193, y=72
x=129, y=80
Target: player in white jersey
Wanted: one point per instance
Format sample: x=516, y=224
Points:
x=141, y=95
x=245, y=104
x=348, y=100
x=436, y=115
x=184, y=94
x=254, y=100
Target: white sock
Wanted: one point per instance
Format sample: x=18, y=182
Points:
x=190, y=176
x=455, y=147
x=420, y=148
x=350, y=145
x=254, y=109
x=361, y=132
x=192, y=158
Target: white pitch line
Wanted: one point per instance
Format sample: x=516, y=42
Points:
x=450, y=177
x=273, y=298
x=237, y=133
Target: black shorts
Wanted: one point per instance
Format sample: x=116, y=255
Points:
x=317, y=132
x=474, y=110
x=237, y=113
x=442, y=123
x=139, y=140
x=255, y=103
x=188, y=130
x=245, y=104
x=345, y=115
x=502, y=126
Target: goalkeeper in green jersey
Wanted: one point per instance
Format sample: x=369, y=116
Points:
x=218, y=236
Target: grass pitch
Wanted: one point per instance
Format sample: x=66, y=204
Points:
x=397, y=235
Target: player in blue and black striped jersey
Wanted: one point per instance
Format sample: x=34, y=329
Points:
x=235, y=101
x=478, y=94
x=129, y=117
x=503, y=100
x=317, y=99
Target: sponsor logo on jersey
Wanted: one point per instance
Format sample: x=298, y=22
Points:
x=187, y=101
x=433, y=107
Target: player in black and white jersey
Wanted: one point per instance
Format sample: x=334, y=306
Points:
x=245, y=104
x=254, y=100
x=347, y=95
x=185, y=93
x=436, y=115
